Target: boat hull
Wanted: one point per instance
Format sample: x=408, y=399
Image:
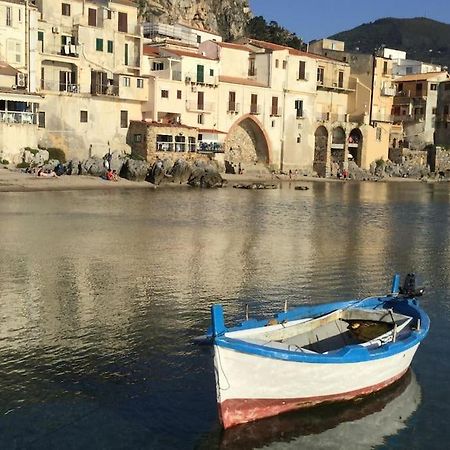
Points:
x=251, y=387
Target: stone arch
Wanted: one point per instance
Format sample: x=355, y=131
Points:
x=355, y=145
x=248, y=142
x=321, y=151
x=337, y=149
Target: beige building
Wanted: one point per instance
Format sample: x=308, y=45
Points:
x=369, y=102
x=415, y=106
x=90, y=63
x=18, y=101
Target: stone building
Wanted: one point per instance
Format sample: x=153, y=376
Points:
x=442, y=135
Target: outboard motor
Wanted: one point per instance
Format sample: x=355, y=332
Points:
x=410, y=288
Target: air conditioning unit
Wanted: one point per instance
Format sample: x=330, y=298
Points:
x=55, y=30
x=21, y=80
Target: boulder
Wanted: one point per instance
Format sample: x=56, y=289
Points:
x=205, y=178
x=156, y=173
x=93, y=166
x=181, y=171
x=134, y=170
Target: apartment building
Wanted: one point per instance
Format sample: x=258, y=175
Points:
x=90, y=73
x=415, y=107
x=18, y=101
x=369, y=101
x=442, y=132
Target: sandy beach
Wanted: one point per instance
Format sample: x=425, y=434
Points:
x=17, y=181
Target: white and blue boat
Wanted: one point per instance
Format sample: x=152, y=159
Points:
x=315, y=354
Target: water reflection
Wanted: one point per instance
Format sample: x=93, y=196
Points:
x=362, y=424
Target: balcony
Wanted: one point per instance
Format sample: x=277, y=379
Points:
x=234, y=107
x=255, y=109
x=387, y=118
x=300, y=114
x=14, y=117
x=195, y=106
x=210, y=147
x=70, y=50
x=388, y=91
x=176, y=75
x=56, y=86
x=105, y=89
x=275, y=112
x=330, y=84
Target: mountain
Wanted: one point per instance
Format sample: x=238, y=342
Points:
x=229, y=18
x=423, y=39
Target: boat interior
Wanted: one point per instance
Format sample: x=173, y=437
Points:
x=332, y=331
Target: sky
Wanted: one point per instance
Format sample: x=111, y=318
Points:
x=313, y=19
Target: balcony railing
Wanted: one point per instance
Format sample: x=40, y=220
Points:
x=234, y=107
x=17, y=117
x=210, y=147
x=331, y=84
x=105, y=89
x=255, y=109
x=60, y=87
x=192, y=105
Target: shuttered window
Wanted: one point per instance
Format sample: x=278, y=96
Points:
x=123, y=22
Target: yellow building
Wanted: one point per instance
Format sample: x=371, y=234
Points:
x=18, y=102
x=90, y=60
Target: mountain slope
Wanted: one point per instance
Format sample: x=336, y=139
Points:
x=423, y=39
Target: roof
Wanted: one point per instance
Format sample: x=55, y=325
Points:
x=233, y=46
x=421, y=76
x=211, y=131
x=186, y=53
x=6, y=69
x=151, y=51
x=149, y=123
x=245, y=81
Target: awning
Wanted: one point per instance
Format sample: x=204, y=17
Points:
x=20, y=97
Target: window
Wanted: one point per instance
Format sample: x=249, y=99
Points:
x=409, y=70
x=419, y=87
x=200, y=101
x=199, y=39
x=320, y=75
x=274, y=106
x=273, y=123
x=200, y=73
x=434, y=111
x=277, y=63
x=400, y=87
x=302, y=70
x=284, y=64
x=158, y=66
x=164, y=93
x=65, y=9
x=123, y=119
x=211, y=72
x=433, y=87
x=99, y=45
x=232, y=101
x=140, y=83
x=378, y=134
x=83, y=116
x=126, y=55
x=299, y=108
x=299, y=139
x=254, y=104
x=110, y=46
x=200, y=119
x=179, y=95
x=137, y=138
x=385, y=67
x=123, y=22
x=41, y=40
x=251, y=67
x=41, y=119
x=341, y=79
x=92, y=17
x=126, y=82
x=9, y=16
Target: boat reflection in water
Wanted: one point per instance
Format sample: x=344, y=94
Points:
x=362, y=423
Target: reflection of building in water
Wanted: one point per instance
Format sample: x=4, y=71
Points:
x=363, y=424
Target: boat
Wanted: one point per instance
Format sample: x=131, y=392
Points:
x=315, y=354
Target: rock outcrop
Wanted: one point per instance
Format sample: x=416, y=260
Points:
x=226, y=17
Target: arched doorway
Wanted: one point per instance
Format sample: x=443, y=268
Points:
x=355, y=143
x=247, y=143
x=320, y=151
x=337, y=149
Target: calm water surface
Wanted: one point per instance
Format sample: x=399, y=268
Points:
x=102, y=293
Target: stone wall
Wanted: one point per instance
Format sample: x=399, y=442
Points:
x=240, y=146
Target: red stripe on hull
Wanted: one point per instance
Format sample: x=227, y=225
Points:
x=237, y=411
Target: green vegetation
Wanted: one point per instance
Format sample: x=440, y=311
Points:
x=33, y=151
x=23, y=165
x=5, y=162
x=56, y=153
x=423, y=39
x=258, y=28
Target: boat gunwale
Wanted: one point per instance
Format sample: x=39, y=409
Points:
x=348, y=354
